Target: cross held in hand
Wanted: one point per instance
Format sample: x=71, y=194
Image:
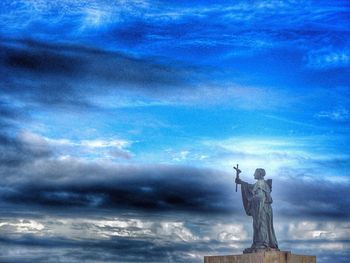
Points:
x=237, y=174
x=237, y=170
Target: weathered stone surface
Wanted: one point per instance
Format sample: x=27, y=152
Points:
x=263, y=257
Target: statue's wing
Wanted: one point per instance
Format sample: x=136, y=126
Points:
x=269, y=182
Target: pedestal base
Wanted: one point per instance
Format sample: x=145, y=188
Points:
x=262, y=257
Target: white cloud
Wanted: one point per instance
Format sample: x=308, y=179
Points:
x=22, y=226
x=280, y=156
x=99, y=143
x=201, y=95
x=310, y=237
x=251, y=153
x=95, y=17
x=328, y=58
x=99, y=148
x=181, y=156
x=338, y=114
x=229, y=232
x=104, y=228
x=34, y=141
x=308, y=230
x=175, y=230
x=235, y=96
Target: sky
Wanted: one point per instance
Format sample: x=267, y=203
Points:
x=120, y=122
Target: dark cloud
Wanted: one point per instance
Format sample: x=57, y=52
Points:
x=116, y=249
x=56, y=74
x=133, y=249
x=144, y=189
x=320, y=199
x=9, y=115
x=16, y=151
x=7, y=112
x=314, y=247
x=116, y=153
x=40, y=59
x=50, y=183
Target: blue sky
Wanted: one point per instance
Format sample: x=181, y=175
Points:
x=121, y=121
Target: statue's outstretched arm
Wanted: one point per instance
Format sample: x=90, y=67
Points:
x=239, y=181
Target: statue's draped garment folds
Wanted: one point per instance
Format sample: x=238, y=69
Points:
x=257, y=203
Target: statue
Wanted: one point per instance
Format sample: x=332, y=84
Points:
x=257, y=203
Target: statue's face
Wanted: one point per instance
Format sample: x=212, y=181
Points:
x=256, y=175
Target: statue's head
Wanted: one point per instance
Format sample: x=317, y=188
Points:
x=259, y=173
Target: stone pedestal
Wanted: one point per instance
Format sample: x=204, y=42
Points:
x=262, y=257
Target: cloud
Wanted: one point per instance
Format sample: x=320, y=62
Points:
x=306, y=230
x=92, y=149
x=178, y=213
x=99, y=228
x=319, y=178
x=211, y=32
x=140, y=238
x=105, y=186
x=139, y=250
x=115, y=249
x=104, y=143
x=65, y=75
x=318, y=199
x=340, y=114
x=36, y=174
x=155, y=239
x=116, y=153
x=42, y=76
x=10, y=115
x=229, y=232
x=22, y=226
x=74, y=183
x=325, y=59
x=17, y=151
x=286, y=155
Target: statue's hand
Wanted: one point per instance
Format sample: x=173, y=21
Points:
x=238, y=181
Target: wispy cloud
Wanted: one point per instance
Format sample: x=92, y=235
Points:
x=144, y=26
x=47, y=75
x=339, y=114
x=58, y=73
x=329, y=59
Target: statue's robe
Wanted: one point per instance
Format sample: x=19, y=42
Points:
x=257, y=203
